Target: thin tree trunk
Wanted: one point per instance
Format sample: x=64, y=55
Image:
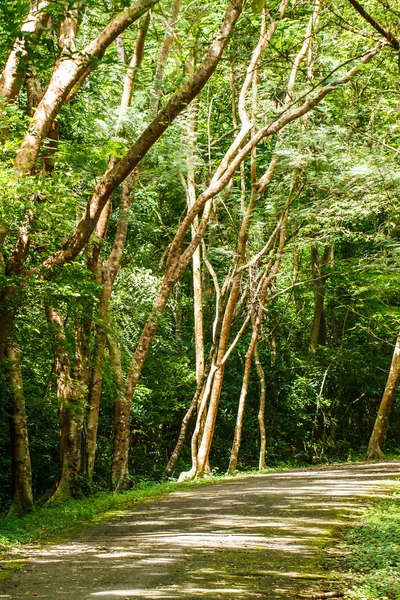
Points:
x=111, y=267
x=82, y=331
x=296, y=274
x=269, y=278
x=319, y=265
x=110, y=272
x=183, y=430
x=120, y=472
x=22, y=501
x=196, y=260
x=385, y=408
x=262, y=465
x=164, y=53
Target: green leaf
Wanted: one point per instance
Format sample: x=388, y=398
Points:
x=257, y=6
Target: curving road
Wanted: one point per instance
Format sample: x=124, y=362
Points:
x=250, y=537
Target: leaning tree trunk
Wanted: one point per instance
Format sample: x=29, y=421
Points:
x=269, y=278
x=21, y=463
x=176, y=264
x=183, y=430
x=13, y=74
x=112, y=265
x=385, y=408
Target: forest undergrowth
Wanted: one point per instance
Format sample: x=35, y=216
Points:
x=368, y=559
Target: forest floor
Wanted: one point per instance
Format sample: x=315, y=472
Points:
x=261, y=536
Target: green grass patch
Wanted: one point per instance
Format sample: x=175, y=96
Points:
x=371, y=562
x=47, y=522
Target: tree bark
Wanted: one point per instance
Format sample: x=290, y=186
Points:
x=14, y=70
x=164, y=53
x=385, y=408
x=71, y=411
x=180, y=100
x=122, y=409
x=319, y=266
x=22, y=501
x=66, y=74
x=269, y=278
x=262, y=465
x=196, y=260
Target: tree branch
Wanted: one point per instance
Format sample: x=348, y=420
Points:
x=393, y=41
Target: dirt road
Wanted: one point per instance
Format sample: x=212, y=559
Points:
x=252, y=537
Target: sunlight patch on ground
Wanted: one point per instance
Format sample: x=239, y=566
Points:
x=165, y=593
x=204, y=540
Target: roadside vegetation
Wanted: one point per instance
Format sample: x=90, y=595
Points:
x=369, y=556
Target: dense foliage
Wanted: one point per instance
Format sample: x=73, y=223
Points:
x=342, y=236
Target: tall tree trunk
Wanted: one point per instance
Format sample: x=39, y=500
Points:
x=108, y=273
x=385, y=408
x=71, y=411
x=196, y=259
x=262, y=465
x=175, y=266
x=22, y=501
x=164, y=53
x=122, y=409
x=269, y=278
x=82, y=331
x=296, y=275
x=319, y=266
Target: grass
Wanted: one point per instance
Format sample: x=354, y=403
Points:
x=44, y=523
x=371, y=549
